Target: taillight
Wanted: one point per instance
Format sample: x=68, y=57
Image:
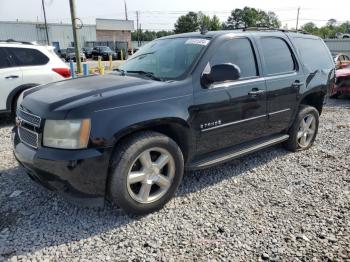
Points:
x=65, y=72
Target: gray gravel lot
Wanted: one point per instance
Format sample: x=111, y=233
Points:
x=272, y=205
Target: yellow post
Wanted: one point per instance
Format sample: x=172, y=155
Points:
x=99, y=64
x=121, y=55
x=102, y=70
x=110, y=63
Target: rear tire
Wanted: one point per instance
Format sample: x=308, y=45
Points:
x=145, y=172
x=303, y=132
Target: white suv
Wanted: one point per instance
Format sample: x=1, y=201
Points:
x=25, y=65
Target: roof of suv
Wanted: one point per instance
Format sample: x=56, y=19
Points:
x=213, y=34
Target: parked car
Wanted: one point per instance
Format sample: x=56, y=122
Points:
x=342, y=83
x=104, y=52
x=87, y=51
x=70, y=55
x=341, y=61
x=62, y=53
x=25, y=65
x=342, y=36
x=182, y=102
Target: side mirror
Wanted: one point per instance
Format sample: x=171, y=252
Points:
x=221, y=73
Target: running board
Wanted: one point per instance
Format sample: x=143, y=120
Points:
x=235, y=153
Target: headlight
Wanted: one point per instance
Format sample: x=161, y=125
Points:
x=67, y=134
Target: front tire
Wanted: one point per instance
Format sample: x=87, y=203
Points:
x=146, y=170
x=303, y=132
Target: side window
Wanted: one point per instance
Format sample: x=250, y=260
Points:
x=28, y=57
x=239, y=52
x=314, y=54
x=277, y=55
x=4, y=58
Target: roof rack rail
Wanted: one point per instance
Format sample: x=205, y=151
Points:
x=265, y=28
x=15, y=41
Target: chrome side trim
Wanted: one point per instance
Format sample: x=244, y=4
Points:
x=233, y=123
x=238, y=82
x=280, y=111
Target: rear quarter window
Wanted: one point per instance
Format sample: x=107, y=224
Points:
x=28, y=57
x=313, y=53
x=277, y=56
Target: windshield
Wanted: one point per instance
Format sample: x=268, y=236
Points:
x=166, y=58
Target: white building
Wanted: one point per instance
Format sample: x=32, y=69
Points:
x=61, y=35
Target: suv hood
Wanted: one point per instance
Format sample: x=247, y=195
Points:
x=55, y=98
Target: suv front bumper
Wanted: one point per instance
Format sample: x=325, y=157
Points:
x=79, y=175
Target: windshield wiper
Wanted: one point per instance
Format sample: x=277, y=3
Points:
x=145, y=73
x=121, y=71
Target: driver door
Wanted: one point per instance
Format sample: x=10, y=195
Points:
x=233, y=112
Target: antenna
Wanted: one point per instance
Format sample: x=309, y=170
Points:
x=126, y=11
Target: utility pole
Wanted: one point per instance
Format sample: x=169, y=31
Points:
x=296, y=28
x=47, y=33
x=126, y=11
x=137, y=30
x=75, y=35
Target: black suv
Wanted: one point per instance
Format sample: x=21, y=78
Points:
x=181, y=102
x=104, y=52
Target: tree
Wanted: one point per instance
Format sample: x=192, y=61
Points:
x=330, y=30
x=310, y=28
x=150, y=35
x=204, y=21
x=251, y=17
x=192, y=22
x=215, y=24
x=187, y=23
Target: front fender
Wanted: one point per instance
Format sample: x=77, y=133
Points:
x=108, y=125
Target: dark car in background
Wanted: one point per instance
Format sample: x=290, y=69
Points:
x=182, y=102
x=70, y=55
x=87, y=51
x=104, y=52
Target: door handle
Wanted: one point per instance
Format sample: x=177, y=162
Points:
x=11, y=77
x=297, y=84
x=256, y=92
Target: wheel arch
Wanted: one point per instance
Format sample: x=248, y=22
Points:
x=175, y=128
x=314, y=99
x=15, y=93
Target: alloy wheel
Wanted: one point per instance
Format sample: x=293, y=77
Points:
x=151, y=175
x=307, y=130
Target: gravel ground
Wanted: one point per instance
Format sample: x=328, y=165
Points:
x=272, y=205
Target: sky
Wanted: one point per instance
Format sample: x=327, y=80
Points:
x=162, y=14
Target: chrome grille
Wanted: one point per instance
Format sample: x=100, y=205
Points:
x=28, y=137
x=29, y=118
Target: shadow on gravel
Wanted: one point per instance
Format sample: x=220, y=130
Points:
x=5, y=120
x=37, y=218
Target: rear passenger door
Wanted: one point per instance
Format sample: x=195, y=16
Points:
x=283, y=80
x=32, y=63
